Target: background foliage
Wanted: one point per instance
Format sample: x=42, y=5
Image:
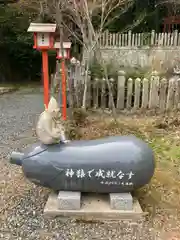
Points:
x=19, y=62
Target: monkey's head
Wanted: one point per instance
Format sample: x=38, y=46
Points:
x=53, y=108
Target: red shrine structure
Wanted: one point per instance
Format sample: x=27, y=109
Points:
x=172, y=21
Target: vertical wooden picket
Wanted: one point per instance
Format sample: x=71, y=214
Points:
x=162, y=39
x=129, y=38
x=165, y=39
x=152, y=37
x=103, y=39
x=81, y=83
x=162, y=94
x=52, y=84
x=88, y=99
x=110, y=39
x=156, y=38
x=137, y=93
x=139, y=39
x=78, y=85
x=103, y=91
x=160, y=42
x=71, y=84
x=171, y=94
x=177, y=94
x=142, y=39
x=145, y=93
x=133, y=42
x=122, y=40
x=168, y=39
x=171, y=39
x=111, y=80
x=95, y=92
x=178, y=39
x=125, y=39
x=69, y=88
x=77, y=93
x=136, y=39
x=129, y=93
x=113, y=40
x=106, y=38
x=154, y=89
x=175, y=37
x=121, y=90
x=119, y=40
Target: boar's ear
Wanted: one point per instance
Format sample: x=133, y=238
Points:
x=45, y=107
x=53, y=105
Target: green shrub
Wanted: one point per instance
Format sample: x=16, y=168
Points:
x=72, y=130
x=79, y=116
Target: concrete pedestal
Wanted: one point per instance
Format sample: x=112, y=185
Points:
x=92, y=206
x=69, y=200
x=121, y=201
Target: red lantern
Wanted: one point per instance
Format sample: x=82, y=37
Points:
x=66, y=49
x=44, y=40
x=43, y=35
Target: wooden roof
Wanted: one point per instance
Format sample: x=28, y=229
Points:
x=42, y=27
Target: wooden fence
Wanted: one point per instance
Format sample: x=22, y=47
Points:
x=128, y=94
x=130, y=39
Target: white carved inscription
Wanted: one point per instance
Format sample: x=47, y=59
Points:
x=117, y=183
x=106, y=177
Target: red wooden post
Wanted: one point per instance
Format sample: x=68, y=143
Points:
x=64, y=104
x=45, y=77
x=66, y=49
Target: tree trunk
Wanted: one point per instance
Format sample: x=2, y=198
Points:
x=85, y=86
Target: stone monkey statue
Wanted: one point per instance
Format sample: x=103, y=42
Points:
x=49, y=128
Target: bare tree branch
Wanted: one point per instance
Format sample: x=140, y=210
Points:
x=72, y=33
x=81, y=13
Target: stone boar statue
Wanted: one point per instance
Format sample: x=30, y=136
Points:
x=49, y=128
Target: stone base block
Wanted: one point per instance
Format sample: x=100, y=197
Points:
x=93, y=207
x=69, y=200
x=121, y=201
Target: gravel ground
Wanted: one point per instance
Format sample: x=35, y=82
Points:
x=22, y=203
